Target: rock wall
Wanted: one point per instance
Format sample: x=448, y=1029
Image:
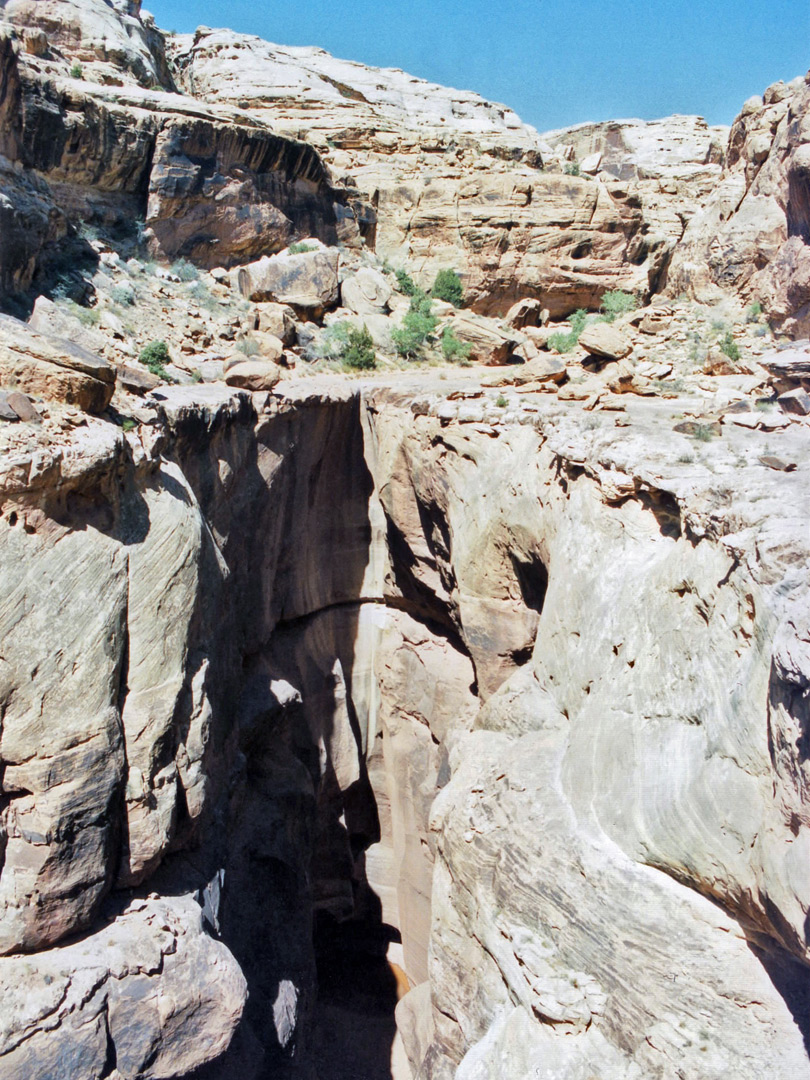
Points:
x=752, y=237
x=245, y=651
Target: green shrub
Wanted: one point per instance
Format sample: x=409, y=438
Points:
x=564, y=343
x=359, y=353
x=352, y=347
x=753, y=312
x=154, y=356
x=447, y=286
x=196, y=376
x=249, y=346
x=501, y=401
x=703, y=433
x=730, y=347
x=76, y=70
x=185, y=270
x=417, y=326
x=452, y=348
x=299, y=248
x=128, y=424
x=572, y=168
x=615, y=303
x=405, y=283
x=122, y=294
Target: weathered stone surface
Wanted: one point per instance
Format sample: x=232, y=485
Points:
x=151, y=986
x=752, y=235
x=604, y=341
x=253, y=374
x=491, y=344
x=53, y=368
x=795, y=401
x=366, y=292
x=526, y=313
x=307, y=282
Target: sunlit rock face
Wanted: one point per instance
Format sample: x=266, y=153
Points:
x=460, y=181
x=752, y=237
x=483, y=687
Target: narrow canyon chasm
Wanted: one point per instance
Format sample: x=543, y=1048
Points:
x=363, y=706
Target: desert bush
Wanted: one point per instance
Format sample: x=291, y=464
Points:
x=616, y=302
x=454, y=349
x=447, y=286
x=730, y=347
x=359, y=353
x=417, y=327
x=299, y=248
x=154, y=356
x=753, y=312
x=76, y=70
x=564, y=343
x=122, y=294
x=249, y=346
x=405, y=283
x=572, y=168
x=185, y=270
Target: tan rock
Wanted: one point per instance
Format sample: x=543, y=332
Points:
x=366, y=292
x=253, y=374
x=491, y=344
x=605, y=341
x=307, y=282
x=53, y=368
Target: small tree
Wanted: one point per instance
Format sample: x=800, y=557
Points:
x=154, y=356
x=452, y=348
x=447, y=286
x=405, y=283
x=359, y=352
x=417, y=326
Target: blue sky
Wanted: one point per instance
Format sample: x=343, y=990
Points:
x=556, y=62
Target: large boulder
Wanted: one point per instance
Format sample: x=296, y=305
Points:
x=604, y=341
x=366, y=292
x=491, y=344
x=53, y=368
x=253, y=375
x=308, y=282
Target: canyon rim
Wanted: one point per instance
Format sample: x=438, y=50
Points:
x=404, y=539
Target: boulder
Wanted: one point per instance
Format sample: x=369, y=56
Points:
x=604, y=341
x=253, y=375
x=307, y=282
x=795, y=401
x=491, y=344
x=278, y=319
x=526, y=313
x=366, y=293
x=24, y=407
x=544, y=368
x=53, y=368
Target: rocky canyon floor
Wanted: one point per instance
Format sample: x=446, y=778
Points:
x=404, y=539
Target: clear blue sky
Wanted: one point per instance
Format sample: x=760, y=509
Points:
x=556, y=62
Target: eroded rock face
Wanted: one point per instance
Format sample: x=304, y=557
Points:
x=299, y=618
x=753, y=234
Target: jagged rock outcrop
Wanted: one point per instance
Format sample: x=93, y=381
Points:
x=753, y=235
x=210, y=183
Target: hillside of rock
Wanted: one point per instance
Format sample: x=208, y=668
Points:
x=403, y=573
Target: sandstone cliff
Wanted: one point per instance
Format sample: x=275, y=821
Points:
x=477, y=680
